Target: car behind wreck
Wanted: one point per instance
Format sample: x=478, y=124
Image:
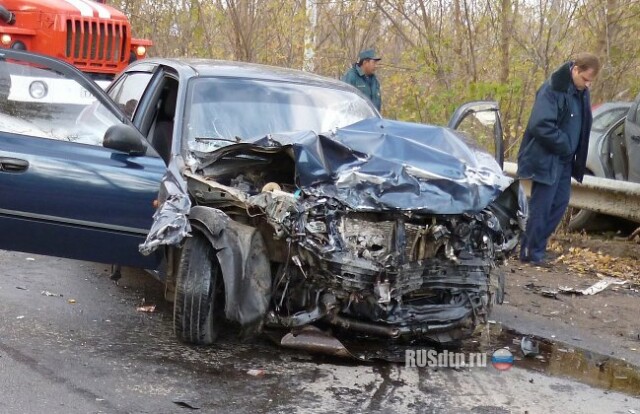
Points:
x=284, y=200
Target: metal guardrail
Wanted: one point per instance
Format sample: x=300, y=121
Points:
x=602, y=195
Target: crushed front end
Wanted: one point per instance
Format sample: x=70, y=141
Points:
x=388, y=229
x=390, y=274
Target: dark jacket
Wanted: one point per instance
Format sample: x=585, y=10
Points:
x=368, y=85
x=545, y=140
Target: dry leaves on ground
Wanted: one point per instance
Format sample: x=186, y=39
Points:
x=585, y=261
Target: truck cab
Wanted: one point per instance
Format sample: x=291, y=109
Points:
x=93, y=36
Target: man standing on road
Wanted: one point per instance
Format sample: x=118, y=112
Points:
x=554, y=148
x=362, y=76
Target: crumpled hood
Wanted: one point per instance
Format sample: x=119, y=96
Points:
x=384, y=165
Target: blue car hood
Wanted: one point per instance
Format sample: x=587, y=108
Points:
x=384, y=165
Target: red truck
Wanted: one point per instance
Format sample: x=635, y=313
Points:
x=91, y=35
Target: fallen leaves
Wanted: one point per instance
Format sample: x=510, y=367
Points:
x=585, y=261
x=589, y=261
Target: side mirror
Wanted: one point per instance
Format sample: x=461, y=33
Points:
x=124, y=138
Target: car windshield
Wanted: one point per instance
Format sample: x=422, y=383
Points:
x=223, y=109
x=604, y=120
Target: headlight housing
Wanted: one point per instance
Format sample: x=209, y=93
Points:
x=38, y=89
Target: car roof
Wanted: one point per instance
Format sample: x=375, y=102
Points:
x=607, y=106
x=191, y=68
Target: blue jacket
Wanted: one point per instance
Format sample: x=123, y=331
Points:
x=545, y=140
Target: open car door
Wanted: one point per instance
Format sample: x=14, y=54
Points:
x=632, y=141
x=481, y=120
x=62, y=193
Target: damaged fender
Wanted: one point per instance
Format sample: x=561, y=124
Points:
x=170, y=224
x=242, y=254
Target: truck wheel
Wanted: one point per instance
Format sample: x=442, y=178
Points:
x=198, y=310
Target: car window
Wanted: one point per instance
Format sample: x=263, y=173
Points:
x=480, y=129
x=115, y=88
x=128, y=91
x=605, y=120
x=161, y=133
x=248, y=108
x=38, y=101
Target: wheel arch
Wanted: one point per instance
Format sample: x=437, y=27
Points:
x=244, y=261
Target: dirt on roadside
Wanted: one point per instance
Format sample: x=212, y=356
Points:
x=582, y=261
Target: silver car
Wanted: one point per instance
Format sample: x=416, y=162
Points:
x=607, y=119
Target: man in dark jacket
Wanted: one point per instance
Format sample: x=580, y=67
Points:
x=554, y=148
x=362, y=76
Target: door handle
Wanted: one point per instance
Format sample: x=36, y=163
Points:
x=13, y=165
x=636, y=138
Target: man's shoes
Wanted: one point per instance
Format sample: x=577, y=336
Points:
x=551, y=256
x=524, y=259
x=542, y=264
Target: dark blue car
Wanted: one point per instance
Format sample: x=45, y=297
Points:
x=274, y=198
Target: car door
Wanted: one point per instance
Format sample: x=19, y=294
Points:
x=61, y=192
x=612, y=152
x=481, y=121
x=632, y=141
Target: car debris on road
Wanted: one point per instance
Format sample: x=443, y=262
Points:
x=595, y=288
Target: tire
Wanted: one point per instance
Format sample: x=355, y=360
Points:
x=580, y=219
x=198, y=310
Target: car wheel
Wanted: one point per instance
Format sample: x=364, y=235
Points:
x=198, y=310
x=580, y=219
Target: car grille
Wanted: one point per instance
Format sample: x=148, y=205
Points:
x=96, y=43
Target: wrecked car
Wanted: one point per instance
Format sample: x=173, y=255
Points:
x=268, y=197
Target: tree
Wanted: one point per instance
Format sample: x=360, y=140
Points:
x=436, y=53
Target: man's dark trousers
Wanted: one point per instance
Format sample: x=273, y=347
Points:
x=546, y=208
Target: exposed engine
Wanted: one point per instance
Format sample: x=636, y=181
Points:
x=357, y=248
x=383, y=273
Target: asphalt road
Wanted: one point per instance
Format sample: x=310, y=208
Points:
x=100, y=355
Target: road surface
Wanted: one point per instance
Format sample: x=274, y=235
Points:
x=91, y=351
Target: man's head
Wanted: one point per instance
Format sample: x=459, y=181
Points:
x=367, y=60
x=584, y=71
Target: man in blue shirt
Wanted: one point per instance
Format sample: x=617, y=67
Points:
x=554, y=148
x=362, y=76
